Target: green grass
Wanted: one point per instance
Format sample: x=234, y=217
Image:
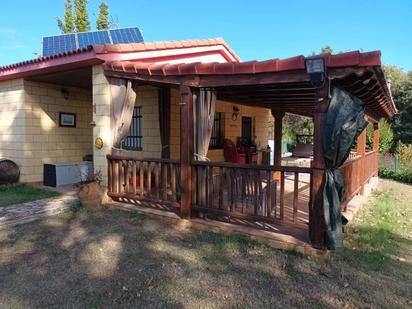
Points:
x=382, y=232
x=113, y=258
x=22, y=193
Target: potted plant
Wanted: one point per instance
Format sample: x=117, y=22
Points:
x=91, y=193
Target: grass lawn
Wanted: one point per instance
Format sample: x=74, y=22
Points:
x=113, y=258
x=21, y=193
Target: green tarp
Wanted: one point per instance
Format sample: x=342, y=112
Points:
x=344, y=122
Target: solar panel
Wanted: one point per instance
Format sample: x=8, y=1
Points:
x=92, y=38
x=58, y=44
x=127, y=35
x=53, y=45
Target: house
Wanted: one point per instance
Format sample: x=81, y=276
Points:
x=154, y=117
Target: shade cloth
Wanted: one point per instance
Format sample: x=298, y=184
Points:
x=345, y=120
x=164, y=120
x=123, y=97
x=204, y=113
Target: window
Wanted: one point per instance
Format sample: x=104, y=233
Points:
x=134, y=140
x=218, y=134
x=247, y=129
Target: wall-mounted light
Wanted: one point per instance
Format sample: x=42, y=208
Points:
x=65, y=93
x=315, y=67
x=235, y=113
x=98, y=143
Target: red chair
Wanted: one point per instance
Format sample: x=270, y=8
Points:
x=232, y=154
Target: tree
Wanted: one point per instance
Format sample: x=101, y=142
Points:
x=326, y=49
x=102, y=22
x=81, y=22
x=401, y=86
x=396, y=76
x=296, y=125
x=385, y=136
x=402, y=122
x=66, y=26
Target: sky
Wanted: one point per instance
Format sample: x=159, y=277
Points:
x=256, y=30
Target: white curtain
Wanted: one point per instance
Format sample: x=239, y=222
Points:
x=204, y=113
x=123, y=97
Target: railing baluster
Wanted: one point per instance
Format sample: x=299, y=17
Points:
x=113, y=181
x=195, y=186
x=164, y=181
x=134, y=175
x=173, y=181
x=210, y=187
x=282, y=195
x=244, y=184
x=255, y=176
x=295, y=197
x=121, y=177
x=126, y=176
x=233, y=193
x=157, y=180
x=268, y=194
x=149, y=178
x=110, y=176
x=221, y=188
x=141, y=178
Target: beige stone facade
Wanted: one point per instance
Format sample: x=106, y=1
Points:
x=30, y=132
x=31, y=136
x=12, y=121
x=233, y=129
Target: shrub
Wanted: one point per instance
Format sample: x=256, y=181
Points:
x=385, y=136
x=402, y=175
x=405, y=154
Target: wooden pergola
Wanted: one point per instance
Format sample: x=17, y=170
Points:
x=283, y=86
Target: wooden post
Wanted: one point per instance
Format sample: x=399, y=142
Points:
x=186, y=149
x=316, y=218
x=277, y=152
x=361, y=150
x=376, y=146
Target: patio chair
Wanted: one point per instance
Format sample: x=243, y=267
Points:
x=232, y=154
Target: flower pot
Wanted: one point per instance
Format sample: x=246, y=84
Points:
x=91, y=194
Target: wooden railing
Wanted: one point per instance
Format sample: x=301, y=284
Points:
x=250, y=192
x=134, y=179
x=357, y=172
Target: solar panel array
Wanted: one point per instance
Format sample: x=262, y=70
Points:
x=53, y=45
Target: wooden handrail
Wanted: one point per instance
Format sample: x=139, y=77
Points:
x=130, y=158
x=259, y=167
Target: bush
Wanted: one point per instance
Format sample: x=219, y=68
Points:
x=385, y=136
x=402, y=175
x=405, y=154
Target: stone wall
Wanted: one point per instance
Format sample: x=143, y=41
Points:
x=233, y=129
x=29, y=125
x=47, y=142
x=13, y=121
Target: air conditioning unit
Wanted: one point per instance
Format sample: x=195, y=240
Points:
x=59, y=174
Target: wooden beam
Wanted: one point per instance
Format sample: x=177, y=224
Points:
x=220, y=80
x=186, y=150
x=316, y=217
x=277, y=152
x=361, y=150
x=376, y=145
